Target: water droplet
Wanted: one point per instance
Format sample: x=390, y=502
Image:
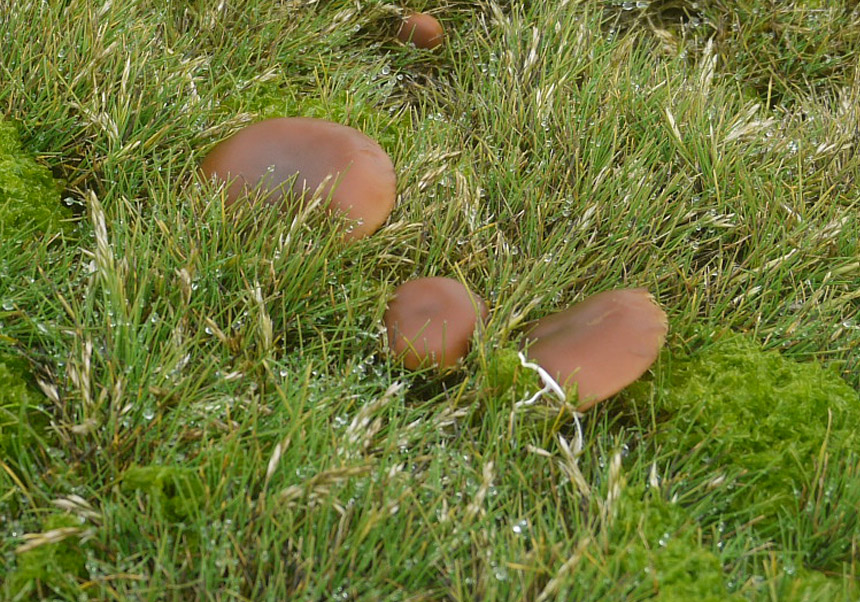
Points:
x=520, y=527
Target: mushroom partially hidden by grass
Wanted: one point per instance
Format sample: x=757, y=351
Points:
x=422, y=30
x=286, y=160
x=601, y=344
x=430, y=321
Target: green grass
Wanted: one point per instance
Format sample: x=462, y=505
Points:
x=197, y=404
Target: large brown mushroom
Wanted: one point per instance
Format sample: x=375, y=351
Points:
x=286, y=160
x=430, y=321
x=421, y=29
x=601, y=344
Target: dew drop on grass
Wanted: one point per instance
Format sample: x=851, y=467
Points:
x=520, y=527
x=500, y=573
x=56, y=453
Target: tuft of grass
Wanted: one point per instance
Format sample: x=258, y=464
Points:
x=780, y=53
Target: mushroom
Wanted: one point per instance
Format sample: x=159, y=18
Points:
x=601, y=344
x=285, y=160
x=431, y=320
x=421, y=29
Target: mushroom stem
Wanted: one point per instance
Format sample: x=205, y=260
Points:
x=550, y=385
x=548, y=381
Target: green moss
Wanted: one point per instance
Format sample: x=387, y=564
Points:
x=506, y=377
x=175, y=493
x=661, y=555
x=272, y=100
x=53, y=567
x=29, y=196
x=761, y=413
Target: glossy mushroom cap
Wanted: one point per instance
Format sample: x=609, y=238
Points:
x=602, y=344
x=285, y=160
x=422, y=30
x=431, y=321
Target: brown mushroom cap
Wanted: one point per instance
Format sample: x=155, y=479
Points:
x=431, y=320
x=422, y=30
x=602, y=344
x=268, y=155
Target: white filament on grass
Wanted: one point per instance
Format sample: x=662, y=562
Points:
x=550, y=386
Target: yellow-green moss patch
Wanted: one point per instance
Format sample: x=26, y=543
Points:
x=29, y=195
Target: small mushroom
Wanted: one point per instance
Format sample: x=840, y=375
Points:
x=285, y=160
x=602, y=344
x=421, y=29
x=431, y=321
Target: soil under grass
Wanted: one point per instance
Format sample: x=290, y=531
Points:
x=198, y=405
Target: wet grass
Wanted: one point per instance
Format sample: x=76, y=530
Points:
x=199, y=406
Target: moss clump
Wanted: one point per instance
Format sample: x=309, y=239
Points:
x=175, y=494
x=51, y=568
x=29, y=196
x=505, y=376
x=662, y=556
x=360, y=112
x=761, y=413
